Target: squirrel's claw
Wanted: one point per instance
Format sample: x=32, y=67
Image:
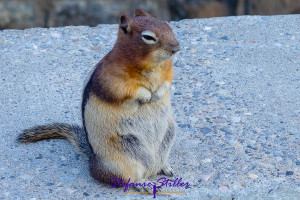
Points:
x=167, y=170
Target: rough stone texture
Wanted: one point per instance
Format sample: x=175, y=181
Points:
x=236, y=101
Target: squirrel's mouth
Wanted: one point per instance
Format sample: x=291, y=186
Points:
x=175, y=49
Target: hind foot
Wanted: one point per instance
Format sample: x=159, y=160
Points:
x=167, y=170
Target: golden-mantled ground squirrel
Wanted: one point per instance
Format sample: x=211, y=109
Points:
x=128, y=129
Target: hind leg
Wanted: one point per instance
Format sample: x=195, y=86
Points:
x=132, y=173
x=122, y=168
x=99, y=171
x=165, y=149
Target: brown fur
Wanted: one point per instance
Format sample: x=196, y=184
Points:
x=114, y=88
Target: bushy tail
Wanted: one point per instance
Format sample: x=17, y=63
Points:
x=74, y=133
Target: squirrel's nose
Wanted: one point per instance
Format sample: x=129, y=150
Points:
x=175, y=48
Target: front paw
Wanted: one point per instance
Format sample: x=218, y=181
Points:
x=143, y=95
x=160, y=92
x=167, y=170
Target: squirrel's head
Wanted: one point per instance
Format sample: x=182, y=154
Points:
x=145, y=38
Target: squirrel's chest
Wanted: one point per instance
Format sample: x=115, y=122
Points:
x=151, y=79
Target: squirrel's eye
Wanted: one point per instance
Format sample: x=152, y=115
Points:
x=148, y=37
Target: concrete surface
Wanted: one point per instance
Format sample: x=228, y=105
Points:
x=236, y=101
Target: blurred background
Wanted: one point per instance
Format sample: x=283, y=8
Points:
x=21, y=14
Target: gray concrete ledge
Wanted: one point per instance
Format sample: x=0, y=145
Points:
x=236, y=101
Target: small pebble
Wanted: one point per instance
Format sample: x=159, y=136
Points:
x=75, y=171
x=95, y=48
x=26, y=177
x=86, y=194
x=70, y=191
x=199, y=84
x=289, y=173
x=205, y=130
x=55, y=35
x=279, y=158
x=225, y=130
x=223, y=188
x=205, y=177
x=194, y=119
x=39, y=157
x=220, y=121
x=253, y=176
x=235, y=119
x=207, y=160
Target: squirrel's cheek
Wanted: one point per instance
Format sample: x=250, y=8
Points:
x=161, y=55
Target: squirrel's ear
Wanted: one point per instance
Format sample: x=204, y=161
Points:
x=125, y=22
x=141, y=12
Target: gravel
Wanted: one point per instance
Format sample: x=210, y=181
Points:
x=236, y=102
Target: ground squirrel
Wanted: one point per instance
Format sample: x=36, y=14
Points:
x=128, y=129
